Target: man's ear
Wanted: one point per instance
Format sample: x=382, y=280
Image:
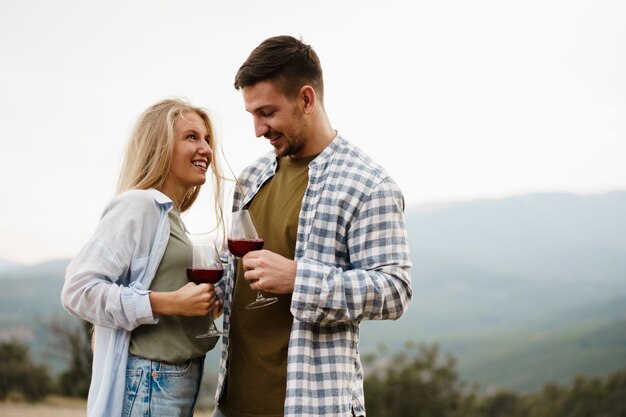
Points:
x=308, y=99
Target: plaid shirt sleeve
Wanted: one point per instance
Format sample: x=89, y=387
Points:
x=353, y=258
x=370, y=277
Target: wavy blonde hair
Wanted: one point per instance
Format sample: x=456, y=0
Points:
x=149, y=152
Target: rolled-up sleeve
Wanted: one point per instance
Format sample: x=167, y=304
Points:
x=102, y=282
x=370, y=277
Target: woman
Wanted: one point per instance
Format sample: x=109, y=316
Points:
x=129, y=279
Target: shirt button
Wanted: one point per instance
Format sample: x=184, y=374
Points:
x=154, y=374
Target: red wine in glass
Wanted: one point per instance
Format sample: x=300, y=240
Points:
x=204, y=275
x=205, y=267
x=239, y=247
x=243, y=237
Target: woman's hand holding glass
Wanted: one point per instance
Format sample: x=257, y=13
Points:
x=205, y=269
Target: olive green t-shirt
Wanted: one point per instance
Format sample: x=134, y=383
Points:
x=173, y=338
x=257, y=365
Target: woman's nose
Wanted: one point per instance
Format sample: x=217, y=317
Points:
x=206, y=148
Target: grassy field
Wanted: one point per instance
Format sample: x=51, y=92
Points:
x=55, y=407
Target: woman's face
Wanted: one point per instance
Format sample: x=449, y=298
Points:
x=191, y=158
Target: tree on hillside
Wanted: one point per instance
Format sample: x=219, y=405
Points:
x=502, y=404
x=417, y=382
x=18, y=374
x=584, y=397
x=74, y=343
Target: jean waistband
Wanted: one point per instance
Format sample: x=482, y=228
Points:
x=199, y=359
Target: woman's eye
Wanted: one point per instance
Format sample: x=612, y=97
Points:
x=191, y=136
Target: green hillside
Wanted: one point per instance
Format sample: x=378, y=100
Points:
x=526, y=354
x=526, y=362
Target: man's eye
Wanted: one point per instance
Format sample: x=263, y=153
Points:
x=266, y=114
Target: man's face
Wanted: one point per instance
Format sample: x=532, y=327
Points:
x=276, y=118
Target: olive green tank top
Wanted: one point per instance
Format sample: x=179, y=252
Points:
x=173, y=338
x=257, y=367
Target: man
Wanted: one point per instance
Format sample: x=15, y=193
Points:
x=335, y=250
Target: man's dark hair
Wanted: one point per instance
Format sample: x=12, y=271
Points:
x=286, y=62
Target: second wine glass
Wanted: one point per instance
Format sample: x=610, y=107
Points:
x=205, y=267
x=243, y=237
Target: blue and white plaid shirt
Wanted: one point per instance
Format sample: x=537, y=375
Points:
x=353, y=264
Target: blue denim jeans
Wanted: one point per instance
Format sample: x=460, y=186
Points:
x=155, y=389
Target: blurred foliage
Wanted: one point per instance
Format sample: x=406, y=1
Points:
x=19, y=375
x=75, y=344
x=416, y=382
x=419, y=382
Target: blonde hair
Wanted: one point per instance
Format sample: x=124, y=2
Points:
x=151, y=146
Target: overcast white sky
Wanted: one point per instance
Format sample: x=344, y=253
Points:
x=457, y=99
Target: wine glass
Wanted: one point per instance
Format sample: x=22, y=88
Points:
x=243, y=238
x=205, y=266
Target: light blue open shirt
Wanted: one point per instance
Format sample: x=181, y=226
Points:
x=107, y=284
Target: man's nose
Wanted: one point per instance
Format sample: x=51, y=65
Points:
x=260, y=128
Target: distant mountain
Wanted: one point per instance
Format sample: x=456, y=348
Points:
x=6, y=266
x=31, y=291
x=505, y=285
x=525, y=361
x=29, y=301
x=499, y=260
x=52, y=268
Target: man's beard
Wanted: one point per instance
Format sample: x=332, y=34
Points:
x=291, y=147
x=295, y=141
